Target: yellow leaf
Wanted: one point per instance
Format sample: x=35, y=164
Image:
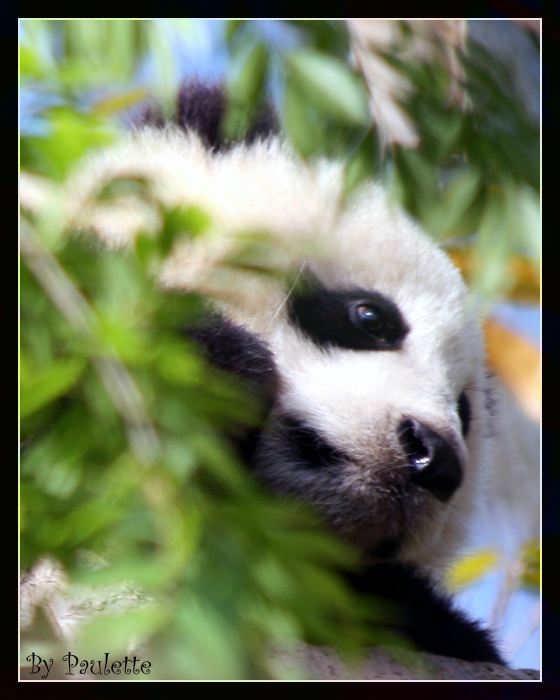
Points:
x=471, y=568
x=531, y=560
x=518, y=365
x=526, y=278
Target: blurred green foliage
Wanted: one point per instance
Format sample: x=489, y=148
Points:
x=531, y=561
x=476, y=168
x=124, y=460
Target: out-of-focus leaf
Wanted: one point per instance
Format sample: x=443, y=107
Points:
x=160, y=34
x=330, y=85
x=415, y=182
x=72, y=135
x=41, y=387
x=491, y=275
x=187, y=220
x=138, y=624
x=449, y=217
x=244, y=92
x=517, y=363
x=120, y=101
x=232, y=25
x=123, y=187
x=471, y=569
x=363, y=165
x=525, y=278
x=86, y=520
x=523, y=210
x=531, y=561
x=498, y=136
x=29, y=64
x=303, y=130
x=329, y=36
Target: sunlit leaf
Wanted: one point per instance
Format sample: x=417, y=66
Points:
x=41, y=387
x=30, y=65
x=517, y=363
x=531, y=560
x=471, y=569
x=525, y=286
x=72, y=135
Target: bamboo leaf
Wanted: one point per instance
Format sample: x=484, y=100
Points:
x=329, y=85
x=471, y=569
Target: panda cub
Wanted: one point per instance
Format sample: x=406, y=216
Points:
x=366, y=352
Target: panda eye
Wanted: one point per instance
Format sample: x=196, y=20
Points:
x=368, y=319
x=355, y=318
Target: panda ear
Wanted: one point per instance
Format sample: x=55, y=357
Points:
x=235, y=349
x=201, y=108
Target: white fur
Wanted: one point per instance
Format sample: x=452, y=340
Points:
x=356, y=398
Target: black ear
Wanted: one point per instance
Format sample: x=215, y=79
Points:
x=235, y=349
x=201, y=108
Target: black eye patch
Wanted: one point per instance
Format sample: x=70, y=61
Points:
x=355, y=319
x=308, y=447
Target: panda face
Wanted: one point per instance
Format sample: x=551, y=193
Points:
x=377, y=416
x=369, y=358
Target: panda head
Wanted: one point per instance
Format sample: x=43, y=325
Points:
x=366, y=348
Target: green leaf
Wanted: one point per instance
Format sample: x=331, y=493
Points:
x=304, y=130
x=30, y=65
x=138, y=624
x=41, y=387
x=186, y=220
x=363, y=165
x=450, y=217
x=417, y=185
x=531, y=561
x=245, y=89
x=492, y=276
x=524, y=216
x=72, y=135
x=330, y=85
x=232, y=26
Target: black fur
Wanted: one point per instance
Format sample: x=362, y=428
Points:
x=464, y=407
x=429, y=618
x=237, y=350
x=201, y=108
x=328, y=318
x=309, y=449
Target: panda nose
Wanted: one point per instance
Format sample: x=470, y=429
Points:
x=434, y=464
